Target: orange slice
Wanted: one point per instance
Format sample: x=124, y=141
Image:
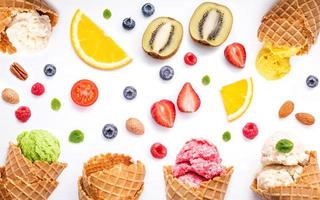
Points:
x=237, y=97
x=93, y=46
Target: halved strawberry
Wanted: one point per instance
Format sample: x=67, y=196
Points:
x=164, y=113
x=236, y=54
x=188, y=100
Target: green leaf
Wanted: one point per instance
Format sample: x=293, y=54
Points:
x=55, y=104
x=284, y=146
x=226, y=136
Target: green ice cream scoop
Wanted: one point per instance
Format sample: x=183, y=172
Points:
x=39, y=145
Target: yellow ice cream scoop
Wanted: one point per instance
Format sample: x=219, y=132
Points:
x=289, y=28
x=274, y=63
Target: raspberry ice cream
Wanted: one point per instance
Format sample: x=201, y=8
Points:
x=198, y=161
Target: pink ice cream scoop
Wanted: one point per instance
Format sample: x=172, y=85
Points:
x=197, y=161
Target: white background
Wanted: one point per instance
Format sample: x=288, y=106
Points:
x=209, y=122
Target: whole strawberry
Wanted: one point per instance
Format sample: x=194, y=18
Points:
x=236, y=55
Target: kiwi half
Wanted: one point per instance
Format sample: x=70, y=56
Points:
x=162, y=37
x=211, y=24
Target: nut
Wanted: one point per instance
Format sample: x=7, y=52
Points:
x=286, y=109
x=135, y=126
x=305, y=118
x=10, y=96
x=18, y=71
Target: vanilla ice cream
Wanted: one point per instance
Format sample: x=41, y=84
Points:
x=273, y=176
x=270, y=155
x=29, y=31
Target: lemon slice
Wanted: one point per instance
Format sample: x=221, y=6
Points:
x=93, y=46
x=237, y=98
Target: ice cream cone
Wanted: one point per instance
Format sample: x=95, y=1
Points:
x=49, y=171
x=29, y=5
x=20, y=189
x=18, y=165
x=306, y=187
x=311, y=172
x=214, y=189
x=111, y=176
x=291, y=24
x=291, y=192
x=20, y=179
x=4, y=194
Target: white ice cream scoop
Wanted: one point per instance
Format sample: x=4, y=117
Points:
x=270, y=154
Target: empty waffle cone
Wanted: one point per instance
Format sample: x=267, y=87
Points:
x=112, y=177
x=306, y=187
x=214, y=189
x=30, y=5
x=291, y=24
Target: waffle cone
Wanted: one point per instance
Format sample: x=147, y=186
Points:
x=29, y=5
x=291, y=23
x=20, y=179
x=214, y=189
x=18, y=165
x=306, y=187
x=20, y=189
x=111, y=176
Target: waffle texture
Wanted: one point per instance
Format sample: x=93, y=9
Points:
x=20, y=179
x=214, y=189
x=112, y=177
x=292, y=24
x=306, y=187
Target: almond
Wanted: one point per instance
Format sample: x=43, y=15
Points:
x=305, y=118
x=286, y=109
x=10, y=96
x=135, y=126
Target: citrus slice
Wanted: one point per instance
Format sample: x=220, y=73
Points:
x=237, y=98
x=93, y=46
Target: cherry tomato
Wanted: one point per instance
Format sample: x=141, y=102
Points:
x=84, y=93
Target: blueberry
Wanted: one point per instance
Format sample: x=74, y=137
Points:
x=147, y=9
x=110, y=131
x=128, y=23
x=129, y=92
x=49, y=70
x=312, y=81
x=166, y=73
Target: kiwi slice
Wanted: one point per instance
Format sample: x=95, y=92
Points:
x=211, y=24
x=162, y=37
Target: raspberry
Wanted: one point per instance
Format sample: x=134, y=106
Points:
x=250, y=131
x=23, y=113
x=190, y=59
x=158, y=151
x=37, y=89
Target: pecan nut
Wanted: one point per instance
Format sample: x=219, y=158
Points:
x=18, y=71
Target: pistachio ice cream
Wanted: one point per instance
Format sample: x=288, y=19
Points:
x=39, y=145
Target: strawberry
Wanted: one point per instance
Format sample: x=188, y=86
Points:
x=164, y=113
x=236, y=54
x=188, y=100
